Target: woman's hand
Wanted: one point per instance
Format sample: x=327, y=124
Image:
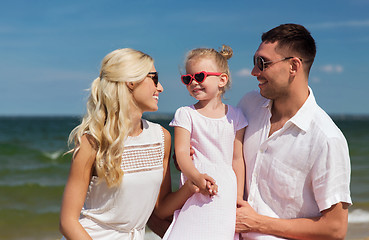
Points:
x=190, y=187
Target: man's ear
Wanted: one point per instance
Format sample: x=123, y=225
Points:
x=296, y=65
x=223, y=80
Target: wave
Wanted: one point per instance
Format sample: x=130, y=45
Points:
x=42, y=182
x=35, y=174
x=358, y=216
x=53, y=155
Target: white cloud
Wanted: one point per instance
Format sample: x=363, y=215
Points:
x=315, y=79
x=245, y=72
x=331, y=68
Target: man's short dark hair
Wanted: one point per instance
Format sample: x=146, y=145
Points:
x=294, y=39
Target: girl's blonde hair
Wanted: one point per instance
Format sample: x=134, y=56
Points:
x=108, y=110
x=221, y=60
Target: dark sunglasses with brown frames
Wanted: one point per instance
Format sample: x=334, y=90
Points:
x=262, y=64
x=155, y=77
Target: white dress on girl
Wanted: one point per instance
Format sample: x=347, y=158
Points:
x=203, y=217
x=122, y=212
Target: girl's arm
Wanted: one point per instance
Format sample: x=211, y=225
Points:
x=75, y=191
x=238, y=163
x=182, y=145
x=169, y=201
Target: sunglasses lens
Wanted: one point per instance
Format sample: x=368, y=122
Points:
x=186, y=79
x=260, y=63
x=199, y=77
x=155, y=78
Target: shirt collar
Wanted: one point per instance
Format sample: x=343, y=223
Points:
x=267, y=103
x=304, y=115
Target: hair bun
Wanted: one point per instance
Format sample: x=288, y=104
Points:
x=226, y=52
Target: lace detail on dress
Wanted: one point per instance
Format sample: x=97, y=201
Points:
x=142, y=158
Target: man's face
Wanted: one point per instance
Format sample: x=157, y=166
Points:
x=274, y=79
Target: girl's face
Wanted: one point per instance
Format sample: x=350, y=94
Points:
x=146, y=93
x=210, y=87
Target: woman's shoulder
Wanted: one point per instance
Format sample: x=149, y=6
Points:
x=157, y=127
x=85, y=153
x=88, y=138
x=88, y=143
x=154, y=128
x=150, y=125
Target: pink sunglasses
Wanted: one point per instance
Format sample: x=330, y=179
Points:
x=198, y=77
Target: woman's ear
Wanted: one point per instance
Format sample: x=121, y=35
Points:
x=130, y=86
x=223, y=80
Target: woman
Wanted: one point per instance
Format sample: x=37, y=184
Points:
x=120, y=167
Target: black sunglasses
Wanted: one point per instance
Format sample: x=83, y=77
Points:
x=262, y=64
x=154, y=78
x=198, y=77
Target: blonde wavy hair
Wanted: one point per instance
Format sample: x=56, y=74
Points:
x=108, y=110
x=221, y=60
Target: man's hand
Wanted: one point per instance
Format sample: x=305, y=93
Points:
x=246, y=217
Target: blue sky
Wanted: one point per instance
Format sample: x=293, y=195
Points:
x=50, y=51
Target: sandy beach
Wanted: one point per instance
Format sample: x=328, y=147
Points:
x=358, y=231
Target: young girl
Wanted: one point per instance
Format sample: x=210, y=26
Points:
x=215, y=132
x=119, y=171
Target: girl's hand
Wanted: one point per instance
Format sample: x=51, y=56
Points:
x=212, y=188
x=206, y=184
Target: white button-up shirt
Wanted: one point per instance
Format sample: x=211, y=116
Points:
x=298, y=171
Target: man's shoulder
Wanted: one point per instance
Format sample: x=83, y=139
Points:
x=325, y=124
x=251, y=100
x=252, y=95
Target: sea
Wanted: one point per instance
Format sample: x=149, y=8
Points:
x=34, y=170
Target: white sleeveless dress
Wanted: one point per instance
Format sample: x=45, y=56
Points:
x=203, y=217
x=122, y=212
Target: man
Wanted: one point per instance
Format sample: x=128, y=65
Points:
x=297, y=160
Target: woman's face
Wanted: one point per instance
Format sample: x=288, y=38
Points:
x=146, y=93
